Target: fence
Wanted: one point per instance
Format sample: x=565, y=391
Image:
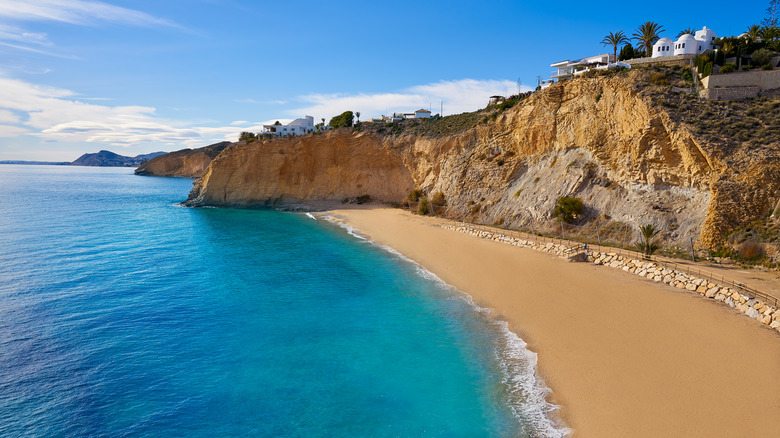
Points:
x=744, y=289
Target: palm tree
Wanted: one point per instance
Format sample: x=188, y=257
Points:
x=689, y=30
x=753, y=32
x=769, y=33
x=615, y=39
x=647, y=35
x=646, y=245
x=728, y=47
x=357, y=114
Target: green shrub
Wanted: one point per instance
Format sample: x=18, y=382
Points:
x=762, y=56
x=248, y=137
x=438, y=199
x=627, y=52
x=363, y=199
x=767, y=67
x=728, y=68
x=517, y=193
x=415, y=195
x=342, y=120
x=568, y=208
x=423, y=208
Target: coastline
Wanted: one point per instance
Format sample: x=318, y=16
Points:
x=622, y=355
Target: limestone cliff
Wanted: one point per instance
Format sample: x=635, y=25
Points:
x=332, y=167
x=601, y=139
x=190, y=163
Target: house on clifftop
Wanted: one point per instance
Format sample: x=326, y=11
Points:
x=296, y=127
x=687, y=44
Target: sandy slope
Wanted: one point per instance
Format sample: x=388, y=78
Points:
x=624, y=356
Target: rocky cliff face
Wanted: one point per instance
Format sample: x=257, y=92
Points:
x=190, y=163
x=600, y=139
x=328, y=167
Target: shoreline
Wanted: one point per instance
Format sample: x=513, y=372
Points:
x=622, y=355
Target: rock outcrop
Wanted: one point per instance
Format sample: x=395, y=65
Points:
x=190, y=163
x=600, y=139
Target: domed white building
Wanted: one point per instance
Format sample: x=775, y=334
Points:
x=662, y=47
x=685, y=45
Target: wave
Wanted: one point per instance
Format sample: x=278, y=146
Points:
x=526, y=390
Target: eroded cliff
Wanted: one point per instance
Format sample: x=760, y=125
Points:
x=602, y=139
x=190, y=163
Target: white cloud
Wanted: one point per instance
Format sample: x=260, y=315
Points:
x=261, y=102
x=8, y=117
x=13, y=33
x=54, y=114
x=458, y=96
x=238, y=122
x=82, y=12
x=77, y=12
x=12, y=131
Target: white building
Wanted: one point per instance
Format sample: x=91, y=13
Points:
x=422, y=114
x=296, y=127
x=567, y=69
x=687, y=44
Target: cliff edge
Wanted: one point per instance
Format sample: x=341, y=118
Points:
x=605, y=139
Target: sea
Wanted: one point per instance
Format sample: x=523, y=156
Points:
x=124, y=314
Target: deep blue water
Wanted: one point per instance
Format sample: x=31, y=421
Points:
x=123, y=314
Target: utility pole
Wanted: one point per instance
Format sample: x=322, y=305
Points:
x=693, y=254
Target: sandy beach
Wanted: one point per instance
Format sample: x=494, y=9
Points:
x=624, y=357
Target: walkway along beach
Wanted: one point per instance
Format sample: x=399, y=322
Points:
x=624, y=356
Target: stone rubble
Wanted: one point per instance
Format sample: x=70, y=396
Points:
x=751, y=307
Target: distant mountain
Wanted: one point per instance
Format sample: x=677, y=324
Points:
x=110, y=159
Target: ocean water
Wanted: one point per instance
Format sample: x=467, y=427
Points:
x=125, y=315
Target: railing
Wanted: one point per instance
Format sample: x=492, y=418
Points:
x=722, y=280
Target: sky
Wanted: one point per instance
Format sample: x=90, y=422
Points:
x=138, y=76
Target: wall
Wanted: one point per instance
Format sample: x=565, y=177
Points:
x=763, y=79
x=733, y=93
x=678, y=60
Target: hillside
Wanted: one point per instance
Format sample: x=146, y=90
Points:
x=190, y=163
x=607, y=139
x=111, y=159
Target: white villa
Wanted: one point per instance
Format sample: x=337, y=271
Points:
x=685, y=45
x=422, y=114
x=569, y=68
x=296, y=127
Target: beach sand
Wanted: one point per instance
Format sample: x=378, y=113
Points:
x=624, y=357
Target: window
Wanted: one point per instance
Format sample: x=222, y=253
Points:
x=683, y=45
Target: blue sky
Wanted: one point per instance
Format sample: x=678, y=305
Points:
x=136, y=76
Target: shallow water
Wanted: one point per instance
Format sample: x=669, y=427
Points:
x=123, y=314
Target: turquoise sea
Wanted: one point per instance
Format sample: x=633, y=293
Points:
x=123, y=314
